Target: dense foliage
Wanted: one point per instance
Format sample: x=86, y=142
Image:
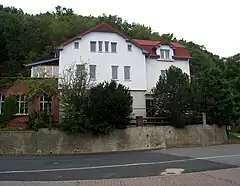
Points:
x=173, y=97
x=98, y=109
x=25, y=38
x=110, y=106
x=9, y=109
x=38, y=120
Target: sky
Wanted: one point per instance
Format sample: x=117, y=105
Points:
x=212, y=23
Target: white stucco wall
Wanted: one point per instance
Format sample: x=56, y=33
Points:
x=139, y=103
x=155, y=66
x=104, y=61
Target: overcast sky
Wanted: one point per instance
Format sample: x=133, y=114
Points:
x=212, y=23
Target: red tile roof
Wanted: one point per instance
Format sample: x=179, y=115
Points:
x=180, y=51
x=146, y=45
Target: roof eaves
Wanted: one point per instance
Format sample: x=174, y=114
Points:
x=41, y=62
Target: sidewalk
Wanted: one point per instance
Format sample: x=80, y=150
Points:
x=226, y=177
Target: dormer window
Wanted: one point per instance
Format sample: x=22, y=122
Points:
x=164, y=54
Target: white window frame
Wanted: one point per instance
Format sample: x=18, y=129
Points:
x=21, y=99
x=129, y=48
x=80, y=72
x=114, y=67
x=44, y=72
x=164, y=74
x=43, y=101
x=90, y=74
x=2, y=98
x=164, y=52
x=129, y=69
x=95, y=43
x=113, y=43
x=76, y=45
x=106, y=46
x=100, y=46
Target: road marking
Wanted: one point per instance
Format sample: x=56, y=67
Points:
x=118, y=165
x=172, y=171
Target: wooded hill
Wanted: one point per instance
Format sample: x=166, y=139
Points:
x=25, y=38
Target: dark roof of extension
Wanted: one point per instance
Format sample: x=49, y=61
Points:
x=53, y=60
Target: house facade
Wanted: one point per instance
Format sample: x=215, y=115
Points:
x=108, y=54
x=111, y=55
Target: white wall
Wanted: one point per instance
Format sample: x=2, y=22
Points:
x=155, y=66
x=104, y=61
x=139, y=103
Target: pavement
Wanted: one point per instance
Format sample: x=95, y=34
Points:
x=214, y=165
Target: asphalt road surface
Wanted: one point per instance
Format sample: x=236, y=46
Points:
x=118, y=165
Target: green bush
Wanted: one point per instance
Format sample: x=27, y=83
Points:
x=98, y=110
x=74, y=112
x=9, y=110
x=38, y=120
x=110, y=106
x=173, y=97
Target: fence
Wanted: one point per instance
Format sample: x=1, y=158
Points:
x=164, y=121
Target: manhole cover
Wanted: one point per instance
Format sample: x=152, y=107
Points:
x=172, y=171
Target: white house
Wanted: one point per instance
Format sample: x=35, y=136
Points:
x=111, y=55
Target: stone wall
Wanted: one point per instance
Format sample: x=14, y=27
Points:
x=132, y=138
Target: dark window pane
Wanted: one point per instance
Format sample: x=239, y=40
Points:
x=100, y=46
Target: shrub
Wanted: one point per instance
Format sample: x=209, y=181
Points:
x=173, y=97
x=110, y=106
x=74, y=112
x=9, y=110
x=38, y=120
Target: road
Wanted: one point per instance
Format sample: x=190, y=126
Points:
x=118, y=165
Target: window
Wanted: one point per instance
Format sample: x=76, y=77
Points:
x=55, y=71
x=106, y=46
x=127, y=72
x=76, y=45
x=114, y=47
x=100, y=46
x=92, y=69
x=48, y=71
x=22, y=105
x=45, y=103
x=165, y=54
x=45, y=71
x=93, y=46
x=114, y=72
x=129, y=48
x=163, y=74
x=80, y=69
x=1, y=103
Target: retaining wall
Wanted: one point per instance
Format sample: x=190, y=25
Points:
x=132, y=138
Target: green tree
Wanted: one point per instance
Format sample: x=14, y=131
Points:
x=42, y=87
x=110, y=106
x=9, y=109
x=173, y=97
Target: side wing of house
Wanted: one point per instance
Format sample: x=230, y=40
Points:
x=163, y=55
